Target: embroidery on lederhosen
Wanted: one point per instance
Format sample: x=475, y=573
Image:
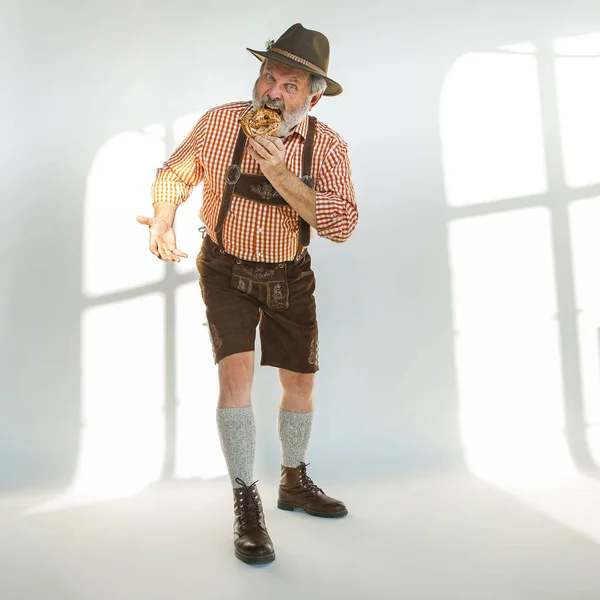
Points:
x=266, y=191
x=215, y=339
x=277, y=301
x=259, y=272
x=313, y=355
x=276, y=294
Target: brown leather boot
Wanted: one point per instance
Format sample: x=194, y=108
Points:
x=297, y=490
x=250, y=536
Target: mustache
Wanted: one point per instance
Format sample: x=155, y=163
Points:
x=270, y=103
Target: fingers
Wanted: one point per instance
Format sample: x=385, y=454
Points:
x=168, y=254
x=273, y=145
x=270, y=147
x=276, y=142
x=165, y=254
x=144, y=220
x=259, y=149
x=255, y=155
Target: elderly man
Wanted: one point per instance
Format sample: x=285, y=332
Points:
x=261, y=197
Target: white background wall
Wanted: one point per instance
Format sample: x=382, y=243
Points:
x=84, y=344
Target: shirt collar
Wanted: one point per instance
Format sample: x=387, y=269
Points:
x=302, y=127
x=246, y=111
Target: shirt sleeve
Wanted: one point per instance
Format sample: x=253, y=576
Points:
x=176, y=179
x=336, y=210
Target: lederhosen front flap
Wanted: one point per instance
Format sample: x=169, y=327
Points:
x=258, y=188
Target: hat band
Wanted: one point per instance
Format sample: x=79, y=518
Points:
x=298, y=59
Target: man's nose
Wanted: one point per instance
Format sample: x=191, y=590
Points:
x=275, y=93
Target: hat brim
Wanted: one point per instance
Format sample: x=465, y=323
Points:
x=333, y=87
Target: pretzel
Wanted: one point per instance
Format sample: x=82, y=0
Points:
x=261, y=122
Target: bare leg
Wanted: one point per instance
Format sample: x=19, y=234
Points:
x=236, y=373
x=297, y=391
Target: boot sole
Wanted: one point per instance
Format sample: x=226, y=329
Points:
x=255, y=560
x=308, y=511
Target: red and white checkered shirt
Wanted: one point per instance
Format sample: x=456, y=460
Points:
x=254, y=231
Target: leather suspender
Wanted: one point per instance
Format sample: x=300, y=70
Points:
x=304, y=233
x=232, y=176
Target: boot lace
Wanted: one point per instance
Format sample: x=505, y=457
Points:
x=250, y=506
x=306, y=482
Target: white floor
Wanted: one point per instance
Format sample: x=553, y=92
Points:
x=441, y=537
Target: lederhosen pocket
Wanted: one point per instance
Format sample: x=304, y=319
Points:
x=268, y=284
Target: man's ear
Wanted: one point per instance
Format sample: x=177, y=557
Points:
x=314, y=100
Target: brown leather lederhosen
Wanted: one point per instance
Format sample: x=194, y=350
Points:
x=258, y=188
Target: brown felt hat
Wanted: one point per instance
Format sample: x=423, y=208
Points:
x=303, y=49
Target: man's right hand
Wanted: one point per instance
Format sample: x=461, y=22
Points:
x=162, y=239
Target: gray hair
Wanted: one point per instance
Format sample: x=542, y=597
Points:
x=317, y=84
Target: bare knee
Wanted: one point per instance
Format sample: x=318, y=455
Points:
x=297, y=390
x=235, y=380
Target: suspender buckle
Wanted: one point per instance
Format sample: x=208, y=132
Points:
x=233, y=174
x=307, y=179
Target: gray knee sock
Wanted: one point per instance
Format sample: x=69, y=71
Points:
x=237, y=433
x=294, y=432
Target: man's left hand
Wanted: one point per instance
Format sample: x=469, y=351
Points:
x=269, y=153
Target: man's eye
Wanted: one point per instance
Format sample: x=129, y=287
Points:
x=292, y=87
